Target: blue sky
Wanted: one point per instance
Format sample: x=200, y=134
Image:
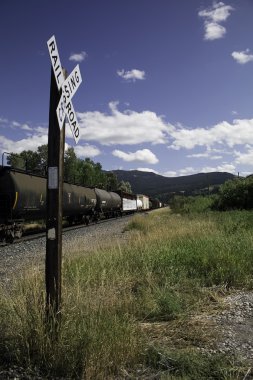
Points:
x=167, y=84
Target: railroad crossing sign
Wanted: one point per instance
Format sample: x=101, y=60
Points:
x=69, y=87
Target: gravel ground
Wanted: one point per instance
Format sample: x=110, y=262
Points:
x=16, y=258
x=234, y=326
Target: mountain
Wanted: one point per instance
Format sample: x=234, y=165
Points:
x=156, y=185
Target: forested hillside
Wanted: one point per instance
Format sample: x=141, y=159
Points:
x=164, y=187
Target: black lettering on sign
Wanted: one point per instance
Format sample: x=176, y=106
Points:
x=68, y=107
x=77, y=132
x=71, y=116
x=77, y=77
x=52, y=45
x=55, y=59
x=66, y=91
x=73, y=83
x=58, y=75
x=70, y=87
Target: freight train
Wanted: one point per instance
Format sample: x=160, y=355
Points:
x=23, y=199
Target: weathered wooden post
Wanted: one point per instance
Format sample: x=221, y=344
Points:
x=54, y=203
x=62, y=90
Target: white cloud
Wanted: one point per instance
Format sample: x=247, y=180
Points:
x=24, y=127
x=242, y=57
x=170, y=173
x=127, y=127
x=225, y=167
x=239, y=132
x=144, y=155
x=189, y=170
x=86, y=150
x=16, y=125
x=131, y=75
x=40, y=137
x=78, y=57
x=245, y=158
x=148, y=170
x=214, y=31
x=30, y=143
x=206, y=154
x=213, y=16
x=217, y=13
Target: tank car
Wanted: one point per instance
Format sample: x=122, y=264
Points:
x=108, y=204
x=22, y=198
x=79, y=203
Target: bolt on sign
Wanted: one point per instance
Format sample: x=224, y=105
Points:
x=69, y=87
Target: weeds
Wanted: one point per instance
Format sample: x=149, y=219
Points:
x=191, y=365
x=163, y=275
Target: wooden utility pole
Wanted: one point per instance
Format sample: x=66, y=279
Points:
x=56, y=141
x=62, y=89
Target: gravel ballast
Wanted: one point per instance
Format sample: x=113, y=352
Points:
x=15, y=259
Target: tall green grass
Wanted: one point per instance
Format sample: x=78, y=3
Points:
x=163, y=274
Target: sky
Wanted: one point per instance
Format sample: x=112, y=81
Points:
x=167, y=85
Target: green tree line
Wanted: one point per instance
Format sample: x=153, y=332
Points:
x=235, y=194
x=82, y=172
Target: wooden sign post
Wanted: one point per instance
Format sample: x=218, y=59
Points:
x=54, y=204
x=62, y=90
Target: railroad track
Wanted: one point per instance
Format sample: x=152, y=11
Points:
x=41, y=234
x=16, y=259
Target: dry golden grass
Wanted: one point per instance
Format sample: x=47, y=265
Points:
x=122, y=302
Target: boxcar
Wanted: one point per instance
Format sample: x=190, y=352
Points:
x=155, y=203
x=128, y=202
x=145, y=201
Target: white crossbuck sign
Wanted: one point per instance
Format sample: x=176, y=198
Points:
x=69, y=87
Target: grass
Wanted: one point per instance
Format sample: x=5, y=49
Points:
x=172, y=267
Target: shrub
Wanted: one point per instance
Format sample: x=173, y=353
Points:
x=235, y=194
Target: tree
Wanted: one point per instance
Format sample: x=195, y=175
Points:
x=70, y=165
x=125, y=186
x=43, y=153
x=111, y=181
x=15, y=161
x=235, y=194
x=83, y=172
x=27, y=160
